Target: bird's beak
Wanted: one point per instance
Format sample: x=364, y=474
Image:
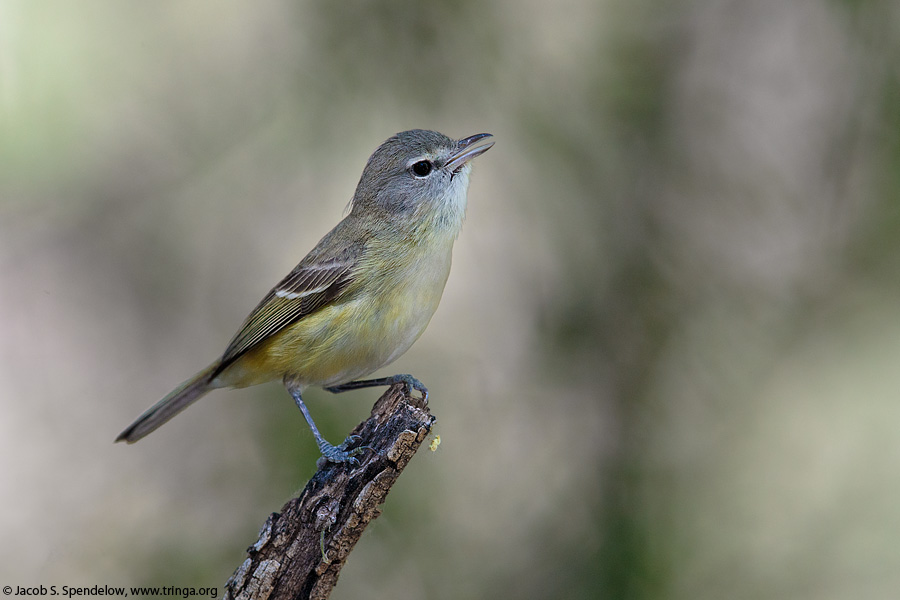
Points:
x=467, y=149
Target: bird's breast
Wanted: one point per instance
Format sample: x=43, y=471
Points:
x=360, y=333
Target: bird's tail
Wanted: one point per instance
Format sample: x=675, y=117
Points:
x=179, y=399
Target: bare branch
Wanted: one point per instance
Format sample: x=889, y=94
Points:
x=300, y=551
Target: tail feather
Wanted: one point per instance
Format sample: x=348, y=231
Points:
x=179, y=399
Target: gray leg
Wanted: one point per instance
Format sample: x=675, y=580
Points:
x=329, y=452
x=410, y=381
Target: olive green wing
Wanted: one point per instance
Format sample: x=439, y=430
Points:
x=312, y=284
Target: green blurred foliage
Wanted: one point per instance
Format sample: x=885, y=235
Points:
x=664, y=366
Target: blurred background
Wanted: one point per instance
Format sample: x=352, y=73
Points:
x=666, y=361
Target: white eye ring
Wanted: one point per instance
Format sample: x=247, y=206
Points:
x=422, y=168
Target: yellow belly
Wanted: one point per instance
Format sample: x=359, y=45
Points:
x=351, y=338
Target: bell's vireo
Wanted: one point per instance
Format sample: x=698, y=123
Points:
x=362, y=296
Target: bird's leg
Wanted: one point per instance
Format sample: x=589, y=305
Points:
x=411, y=383
x=331, y=453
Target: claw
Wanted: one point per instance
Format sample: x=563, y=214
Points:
x=351, y=439
x=413, y=384
x=340, y=454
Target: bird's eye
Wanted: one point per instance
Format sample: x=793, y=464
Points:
x=422, y=168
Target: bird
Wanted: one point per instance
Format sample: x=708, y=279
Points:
x=361, y=297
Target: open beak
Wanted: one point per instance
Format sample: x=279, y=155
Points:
x=467, y=149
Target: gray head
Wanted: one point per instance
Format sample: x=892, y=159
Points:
x=419, y=174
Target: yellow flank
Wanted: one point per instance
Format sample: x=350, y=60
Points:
x=369, y=327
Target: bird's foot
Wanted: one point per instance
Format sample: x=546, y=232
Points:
x=341, y=454
x=411, y=384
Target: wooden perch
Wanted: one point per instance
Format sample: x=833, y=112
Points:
x=300, y=551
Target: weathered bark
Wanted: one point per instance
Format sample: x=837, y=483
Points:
x=300, y=551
